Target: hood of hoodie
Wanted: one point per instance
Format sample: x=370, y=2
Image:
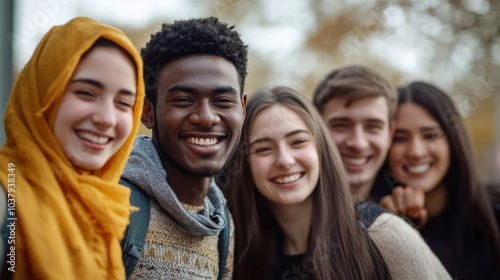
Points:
x=145, y=170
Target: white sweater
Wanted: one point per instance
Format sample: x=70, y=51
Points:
x=405, y=252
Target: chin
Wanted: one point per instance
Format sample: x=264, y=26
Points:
x=205, y=172
x=89, y=166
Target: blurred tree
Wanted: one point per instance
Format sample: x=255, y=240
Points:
x=454, y=44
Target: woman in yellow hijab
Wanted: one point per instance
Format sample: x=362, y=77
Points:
x=70, y=122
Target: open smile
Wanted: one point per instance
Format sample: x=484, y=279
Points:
x=203, y=141
x=93, y=137
x=356, y=161
x=289, y=178
x=417, y=169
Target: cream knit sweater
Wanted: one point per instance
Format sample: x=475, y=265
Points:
x=405, y=252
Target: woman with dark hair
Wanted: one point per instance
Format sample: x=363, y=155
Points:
x=431, y=151
x=70, y=123
x=293, y=212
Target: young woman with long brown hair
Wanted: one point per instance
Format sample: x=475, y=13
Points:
x=293, y=212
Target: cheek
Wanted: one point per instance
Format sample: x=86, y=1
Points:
x=70, y=113
x=311, y=159
x=126, y=124
x=257, y=168
x=236, y=122
x=382, y=141
x=315, y=170
x=444, y=154
x=338, y=137
x=394, y=157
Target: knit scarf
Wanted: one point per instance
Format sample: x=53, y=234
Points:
x=144, y=169
x=69, y=222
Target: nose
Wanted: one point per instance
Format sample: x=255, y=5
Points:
x=204, y=115
x=104, y=115
x=416, y=150
x=358, y=139
x=284, y=158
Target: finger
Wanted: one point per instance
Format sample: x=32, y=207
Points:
x=419, y=197
x=398, y=197
x=387, y=202
x=415, y=199
x=408, y=199
x=423, y=218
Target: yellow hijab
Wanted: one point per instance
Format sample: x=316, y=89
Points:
x=69, y=222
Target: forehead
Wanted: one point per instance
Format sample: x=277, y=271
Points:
x=367, y=108
x=104, y=57
x=200, y=72
x=411, y=115
x=275, y=122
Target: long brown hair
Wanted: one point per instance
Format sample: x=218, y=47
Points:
x=338, y=248
x=467, y=197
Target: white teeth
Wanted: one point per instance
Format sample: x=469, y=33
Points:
x=288, y=179
x=203, y=141
x=419, y=168
x=355, y=161
x=93, y=138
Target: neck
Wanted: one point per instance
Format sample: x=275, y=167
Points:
x=436, y=200
x=362, y=191
x=188, y=188
x=295, y=222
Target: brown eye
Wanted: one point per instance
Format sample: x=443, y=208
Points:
x=397, y=139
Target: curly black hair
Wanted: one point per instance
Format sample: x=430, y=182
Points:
x=193, y=36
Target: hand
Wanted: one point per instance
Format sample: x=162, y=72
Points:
x=408, y=201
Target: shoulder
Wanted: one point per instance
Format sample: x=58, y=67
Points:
x=392, y=234
x=404, y=251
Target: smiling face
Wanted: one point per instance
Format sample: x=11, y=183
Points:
x=420, y=153
x=199, y=113
x=283, y=157
x=95, y=116
x=362, y=134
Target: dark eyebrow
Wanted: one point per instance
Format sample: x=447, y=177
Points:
x=192, y=90
x=332, y=120
x=89, y=81
x=183, y=88
x=430, y=128
x=100, y=85
x=376, y=121
x=225, y=89
x=343, y=119
x=422, y=129
x=267, y=139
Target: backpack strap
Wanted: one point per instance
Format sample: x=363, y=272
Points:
x=368, y=212
x=135, y=233
x=223, y=244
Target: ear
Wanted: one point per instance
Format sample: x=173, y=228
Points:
x=148, y=113
x=244, y=103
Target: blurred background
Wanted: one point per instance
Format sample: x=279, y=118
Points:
x=454, y=44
